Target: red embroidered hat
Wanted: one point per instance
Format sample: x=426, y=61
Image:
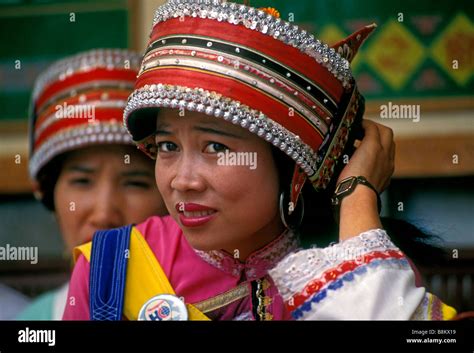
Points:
x=78, y=102
x=251, y=68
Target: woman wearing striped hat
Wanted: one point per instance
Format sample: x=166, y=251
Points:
x=244, y=114
x=83, y=163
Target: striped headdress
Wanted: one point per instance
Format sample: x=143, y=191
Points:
x=249, y=67
x=78, y=102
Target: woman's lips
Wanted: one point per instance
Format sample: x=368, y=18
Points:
x=193, y=214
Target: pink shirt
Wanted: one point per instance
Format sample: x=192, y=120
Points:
x=197, y=275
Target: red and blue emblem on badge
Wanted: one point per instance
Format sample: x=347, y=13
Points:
x=163, y=307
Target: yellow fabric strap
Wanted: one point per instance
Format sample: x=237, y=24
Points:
x=445, y=311
x=448, y=312
x=145, y=277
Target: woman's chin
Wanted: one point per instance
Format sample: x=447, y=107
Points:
x=201, y=242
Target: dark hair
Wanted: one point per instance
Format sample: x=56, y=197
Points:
x=319, y=227
x=48, y=177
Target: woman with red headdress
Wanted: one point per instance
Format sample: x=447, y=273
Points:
x=242, y=111
x=82, y=160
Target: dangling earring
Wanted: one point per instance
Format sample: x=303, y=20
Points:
x=283, y=214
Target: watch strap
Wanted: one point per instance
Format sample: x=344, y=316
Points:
x=346, y=187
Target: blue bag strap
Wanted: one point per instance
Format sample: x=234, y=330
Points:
x=108, y=266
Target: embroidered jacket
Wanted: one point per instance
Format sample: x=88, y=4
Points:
x=365, y=277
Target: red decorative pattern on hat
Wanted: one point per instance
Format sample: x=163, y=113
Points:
x=79, y=101
x=93, y=97
x=256, y=73
x=91, y=77
x=281, y=52
x=297, y=183
x=349, y=47
x=110, y=115
x=236, y=91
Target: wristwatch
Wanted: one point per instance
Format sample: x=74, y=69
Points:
x=345, y=188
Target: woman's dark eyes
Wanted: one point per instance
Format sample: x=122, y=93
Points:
x=215, y=147
x=211, y=147
x=166, y=146
x=138, y=184
x=128, y=183
x=80, y=181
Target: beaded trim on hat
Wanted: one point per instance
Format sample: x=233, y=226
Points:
x=319, y=166
x=82, y=62
x=264, y=23
x=214, y=104
x=76, y=137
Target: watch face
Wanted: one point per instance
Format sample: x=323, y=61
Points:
x=345, y=185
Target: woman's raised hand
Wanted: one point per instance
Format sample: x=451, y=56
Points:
x=374, y=159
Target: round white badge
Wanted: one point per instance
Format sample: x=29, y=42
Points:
x=163, y=307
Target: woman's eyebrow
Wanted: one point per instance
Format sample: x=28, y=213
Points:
x=162, y=132
x=139, y=173
x=218, y=132
x=80, y=168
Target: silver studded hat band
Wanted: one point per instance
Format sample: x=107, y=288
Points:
x=251, y=68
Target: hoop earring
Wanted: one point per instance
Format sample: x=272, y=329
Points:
x=283, y=213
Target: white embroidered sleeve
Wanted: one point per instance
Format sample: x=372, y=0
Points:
x=363, y=278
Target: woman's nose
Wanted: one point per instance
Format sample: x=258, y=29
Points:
x=106, y=211
x=187, y=176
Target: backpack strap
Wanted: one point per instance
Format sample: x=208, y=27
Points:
x=108, y=267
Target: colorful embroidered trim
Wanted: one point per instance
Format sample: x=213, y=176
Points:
x=331, y=278
x=348, y=277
